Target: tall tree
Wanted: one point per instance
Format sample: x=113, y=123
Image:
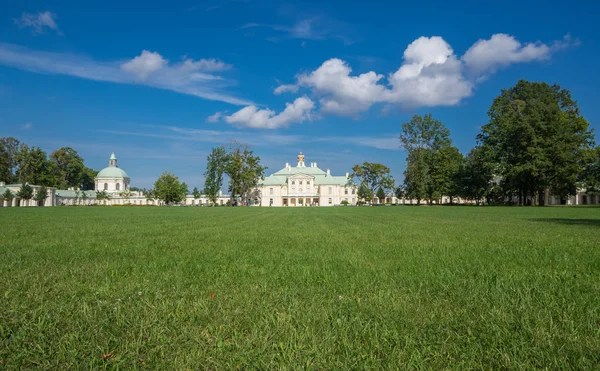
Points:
x=215, y=168
x=443, y=166
x=68, y=166
x=538, y=139
x=365, y=193
x=25, y=192
x=41, y=195
x=8, y=196
x=169, y=189
x=373, y=176
x=590, y=177
x=87, y=179
x=427, y=141
x=381, y=195
x=196, y=193
x=9, y=151
x=244, y=171
x=34, y=167
x=474, y=178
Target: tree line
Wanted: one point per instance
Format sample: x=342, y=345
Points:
x=237, y=162
x=63, y=168
x=536, y=143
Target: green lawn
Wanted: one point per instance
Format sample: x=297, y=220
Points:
x=323, y=288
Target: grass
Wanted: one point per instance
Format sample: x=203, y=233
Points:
x=315, y=288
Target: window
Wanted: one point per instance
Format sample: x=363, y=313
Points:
x=345, y=191
x=118, y=187
x=300, y=182
x=353, y=190
x=330, y=201
x=308, y=182
x=293, y=182
x=270, y=201
x=106, y=186
x=271, y=191
x=330, y=190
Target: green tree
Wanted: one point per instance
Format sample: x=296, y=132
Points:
x=215, y=168
x=8, y=196
x=126, y=194
x=102, y=196
x=25, y=192
x=169, y=189
x=196, y=194
x=87, y=179
x=34, y=167
x=374, y=176
x=474, y=178
x=244, y=171
x=538, y=140
x=9, y=153
x=381, y=195
x=426, y=140
x=590, y=177
x=443, y=166
x=68, y=167
x=41, y=196
x=365, y=193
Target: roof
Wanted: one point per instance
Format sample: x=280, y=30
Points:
x=3, y=189
x=112, y=172
x=74, y=194
x=320, y=177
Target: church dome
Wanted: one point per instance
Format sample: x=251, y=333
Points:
x=112, y=172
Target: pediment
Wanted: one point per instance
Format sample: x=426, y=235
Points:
x=301, y=176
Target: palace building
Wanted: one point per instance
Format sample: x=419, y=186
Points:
x=303, y=185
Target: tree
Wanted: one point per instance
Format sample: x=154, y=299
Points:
x=244, y=171
x=475, y=174
x=68, y=167
x=41, y=195
x=196, y=194
x=169, y=189
x=425, y=139
x=34, y=167
x=381, y=195
x=102, y=196
x=126, y=194
x=215, y=167
x=374, y=177
x=443, y=166
x=87, y=179
x=25, y=192
x=590, y=177
x=538, y=140
x=365, y=193
x=8, y=196
x=9, y=151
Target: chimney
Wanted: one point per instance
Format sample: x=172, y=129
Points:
x=328, y=172
x=220, y=193
x=347, y=175
x=287, y=164
x=315, y=164
x=2, y=184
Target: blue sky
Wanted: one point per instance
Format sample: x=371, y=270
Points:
x=161, y=83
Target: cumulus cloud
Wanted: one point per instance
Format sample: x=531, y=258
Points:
x=144, y=64
x=256, y=118
x=431, y=74
x=39, y=22
x=192, y=77
x=290, y=88
x=501, y=50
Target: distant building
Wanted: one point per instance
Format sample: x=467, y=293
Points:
x=303, y=185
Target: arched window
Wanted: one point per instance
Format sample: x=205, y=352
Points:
x=106, y=186
x=118, y=187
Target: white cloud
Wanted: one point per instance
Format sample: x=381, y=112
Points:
x=313, y=28
x=253, y=117
x=144, y=64
x=430, y=75
x=190, y=77
x=501, y=50
x=214, y=118
x=290, y=88
x=39, y=22
x=27, y=126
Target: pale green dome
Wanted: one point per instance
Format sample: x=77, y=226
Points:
x=112, y=172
